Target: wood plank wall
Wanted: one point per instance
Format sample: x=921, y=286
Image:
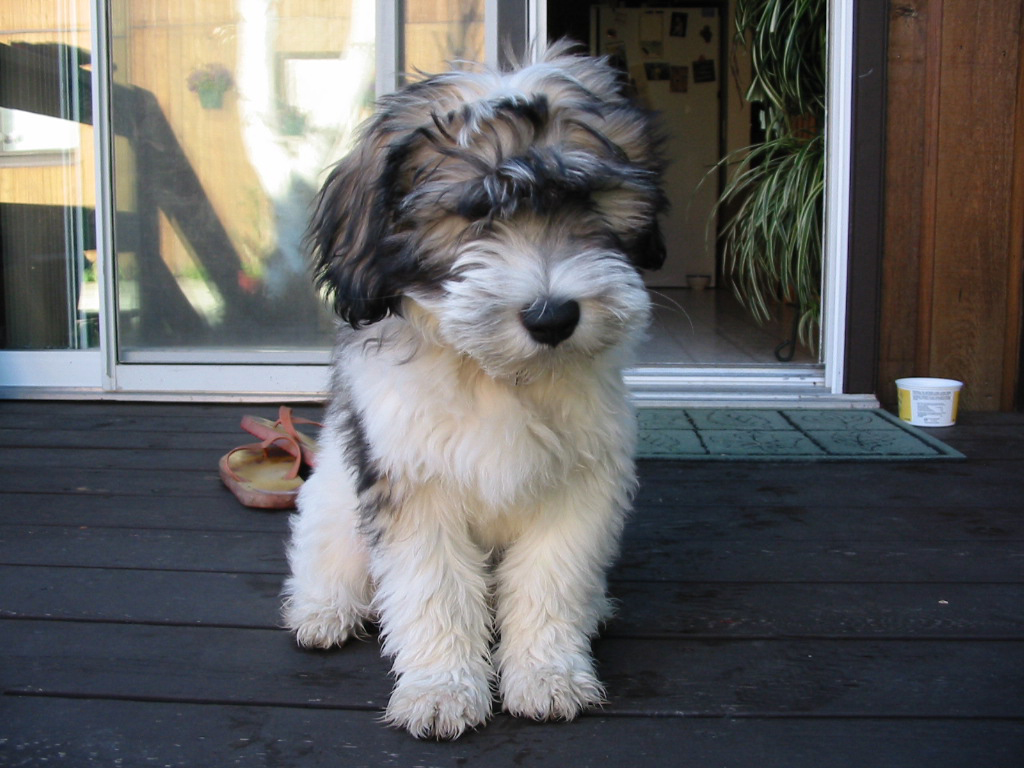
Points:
x=951, y=293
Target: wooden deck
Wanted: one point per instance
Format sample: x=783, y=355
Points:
x=792, y=615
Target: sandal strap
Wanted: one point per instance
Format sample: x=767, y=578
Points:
x=287, y=422
x=299, y=443
x=285, y=413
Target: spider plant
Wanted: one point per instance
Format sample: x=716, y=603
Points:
x=771, y=208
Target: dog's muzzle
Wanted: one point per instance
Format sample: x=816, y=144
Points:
x=551, y=321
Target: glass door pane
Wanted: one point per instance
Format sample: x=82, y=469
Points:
x=48, y=289
x=226, y=115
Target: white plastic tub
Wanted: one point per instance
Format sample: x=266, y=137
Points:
x=927, y=402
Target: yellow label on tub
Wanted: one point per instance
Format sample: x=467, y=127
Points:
x=903, y=399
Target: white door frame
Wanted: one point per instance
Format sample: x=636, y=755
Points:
x=97, y=373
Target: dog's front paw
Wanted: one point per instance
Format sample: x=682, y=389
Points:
x=441, y=711
x=323, y=627
x=550, y=692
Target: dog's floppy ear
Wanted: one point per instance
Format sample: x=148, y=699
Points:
x=357, y=261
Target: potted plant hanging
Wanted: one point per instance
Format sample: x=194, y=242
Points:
x=772, y=206
x=210, y=83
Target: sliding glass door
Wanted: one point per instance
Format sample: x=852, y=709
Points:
x=157, y=165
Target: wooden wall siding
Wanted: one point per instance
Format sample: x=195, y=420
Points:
x=1013, y=347
x=903, y=193
x=951, y=288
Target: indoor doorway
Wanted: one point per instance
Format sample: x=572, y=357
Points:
x=682, y=62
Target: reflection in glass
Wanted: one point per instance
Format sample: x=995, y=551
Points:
x=48, y=290
x=438, y=33
x=227, y=114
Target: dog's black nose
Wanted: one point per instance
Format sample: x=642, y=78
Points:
x=551, y=321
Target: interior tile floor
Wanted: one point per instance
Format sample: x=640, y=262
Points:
x=710, y=327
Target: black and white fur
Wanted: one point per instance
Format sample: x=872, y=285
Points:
x=482, y=244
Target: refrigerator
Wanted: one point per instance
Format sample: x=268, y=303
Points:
x=672, y=59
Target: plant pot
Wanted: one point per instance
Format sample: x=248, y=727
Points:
x=211, y=98
x=698, y=282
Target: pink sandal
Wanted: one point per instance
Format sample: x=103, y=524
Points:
x=299, y=444
x=264, y=475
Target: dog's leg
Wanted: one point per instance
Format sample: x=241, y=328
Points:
x=432, y=599
x=550, y=600
x=327, y=595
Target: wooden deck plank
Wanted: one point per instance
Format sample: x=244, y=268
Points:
x=184, y=416
x=215, y=513
x=66, y=439
x=656, y=678
x=885, y=484
x=141, y=596
x=837, y=560
x=714, y=610
x=32, y=460
x=223, y=551
x=663, y=484
x=772, y=522
x=37, y=731
x=832, y=522
x=673, y=558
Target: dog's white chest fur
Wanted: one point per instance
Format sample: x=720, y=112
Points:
x=496, y=448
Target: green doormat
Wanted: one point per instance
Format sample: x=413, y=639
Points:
x=783, y=435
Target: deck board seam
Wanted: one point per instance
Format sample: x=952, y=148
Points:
x=606, y=713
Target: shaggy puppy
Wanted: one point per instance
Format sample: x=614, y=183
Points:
x=482, y=244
